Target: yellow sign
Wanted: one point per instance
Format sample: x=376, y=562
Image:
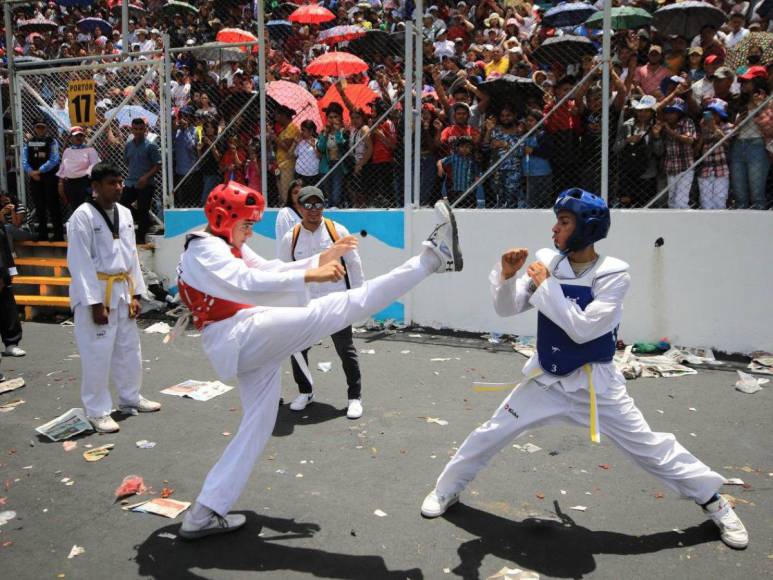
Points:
x=82, y=96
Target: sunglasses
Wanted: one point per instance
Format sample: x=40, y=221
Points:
x=314, y=205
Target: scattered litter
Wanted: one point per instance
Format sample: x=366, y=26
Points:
x=747, y=469
x=11, y=385
x=540, y=495
x=694, y=355
x=604, y=466
x=11, y=405
x=367, y=351
x=380, y=513
x=52, y=373
x=660, y=411
x=67, y=322
x=446, y=570
x=197, y=390
x=563, y=491
x=325, y=367
x=762, y=364
x=405, y=352
x=131, y=485
x=525, y=345
x=440, y=359
x=691, y=409
x=659, y=495
x=493, y=338
x=415, y=336
x=359, y=330
x=531, y=448
x=69, y=445
x=168, y=508
x=666, y=365
x=693, y=435
x=145, y=444
x=479, y=387
x=441, y=422
x=75, y=551
x=66, y=425
x=98, y=453
x=166, y=492
x=158, y=328
x=7, y=516
x=734, y=481
x=226, y=433
x=749, y=384
x=579, y=508
x=67, y=481
x=281, y=471
x=514, y=574
x=299, y=475
x=194, y=335
x=167, y=536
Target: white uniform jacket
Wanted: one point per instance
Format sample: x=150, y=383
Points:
x=311, y=243
x=209, y=266
x=92, y=249
x=601, y=316
x=286, y=218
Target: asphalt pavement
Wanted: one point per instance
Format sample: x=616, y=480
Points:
x=335, y=498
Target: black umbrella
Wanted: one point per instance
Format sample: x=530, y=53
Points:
x=284, y=10
x=765, y=8
x=512, y=90
x=568, y=14
x=566, y=49
x=375, y=44
x=687, y=18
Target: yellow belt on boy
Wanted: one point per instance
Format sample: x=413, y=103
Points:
x=112, y=278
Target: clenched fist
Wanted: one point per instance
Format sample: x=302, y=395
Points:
x=339, y=249
x=538, y=273
x=512, y=261
x=330, y=272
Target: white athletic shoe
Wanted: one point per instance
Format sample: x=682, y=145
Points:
x=435, y=505
x=731, y=528
x=144, y=406
x=104, y=424
x=444, y=239
x=301, y=401
x=14, y=350
x=216, y=525
x=355, y=409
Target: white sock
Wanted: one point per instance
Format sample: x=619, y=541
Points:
x=429, y=260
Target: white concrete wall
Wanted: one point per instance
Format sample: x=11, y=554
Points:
x=709, y=285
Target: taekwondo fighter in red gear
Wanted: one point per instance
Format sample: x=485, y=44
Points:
x=578, y=295
x=238, y=300
x=105, y=290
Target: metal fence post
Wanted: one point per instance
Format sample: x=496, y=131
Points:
x=18, y=132
x=262, y=56
x=418, y=84
x=607, y=63
x=3, y=166
x=168, y=137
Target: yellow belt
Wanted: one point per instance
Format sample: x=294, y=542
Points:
x=110, y=279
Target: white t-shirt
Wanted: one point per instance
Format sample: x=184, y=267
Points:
x=306, y=160
x=733, y=38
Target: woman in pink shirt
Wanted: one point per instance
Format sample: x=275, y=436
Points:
x=75, y=169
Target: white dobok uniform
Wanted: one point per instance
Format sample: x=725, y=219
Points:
x=263, y=331
x=105, y=270
x=593, y=395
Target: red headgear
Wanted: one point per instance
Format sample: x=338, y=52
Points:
x=230, y=202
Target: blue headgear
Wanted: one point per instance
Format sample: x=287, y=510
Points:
x=592, y=216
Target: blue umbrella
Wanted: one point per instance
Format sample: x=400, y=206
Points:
x=568, y=14
x=91, y=24
x=125, y=114
x=279, y=26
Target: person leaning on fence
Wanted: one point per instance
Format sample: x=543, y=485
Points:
x=537, y=153
x=459, y=171
x=75, y=169
x=676, y=134
x=332, y=143
x=635, y=149
x=143, y=160
x=714, y=173
x=564, y=125
x=363, y=150
x=185, y=143
x=40, y=160
x=500, y=137
x=306, y=154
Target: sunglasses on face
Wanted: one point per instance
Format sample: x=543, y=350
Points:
x=313, y=205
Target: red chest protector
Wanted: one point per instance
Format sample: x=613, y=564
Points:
x=206, y=309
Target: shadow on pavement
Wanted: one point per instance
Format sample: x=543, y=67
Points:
x=556, y=548
x=164, y=558
x=287, y=420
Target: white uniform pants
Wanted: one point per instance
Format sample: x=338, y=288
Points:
x=713, y=192
x=105, y=350
x=531, y=405
x=268, y=338
x=679, y=190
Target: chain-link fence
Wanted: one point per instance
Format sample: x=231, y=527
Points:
x=103, y=100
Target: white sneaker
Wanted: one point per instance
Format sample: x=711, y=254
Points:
x=435, y=505
x=14, y=351
x=144, y=406
x=216, y=525
x=444, y=239
x=731, y=528
x=355, y=409
x=104, y=424
x=301, y=401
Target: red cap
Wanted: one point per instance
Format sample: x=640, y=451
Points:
x=754, y=72
x=711, y=59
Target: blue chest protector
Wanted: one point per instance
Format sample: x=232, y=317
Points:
x=559, y=354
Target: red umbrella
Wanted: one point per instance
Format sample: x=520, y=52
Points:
x=340, y=34
x=311, y=14
x=298, y=99
x=336, y=64
x=360, y=96
x=236, y=35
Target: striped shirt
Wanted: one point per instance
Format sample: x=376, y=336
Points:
x=461, y=172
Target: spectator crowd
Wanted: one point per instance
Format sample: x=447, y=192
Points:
x=494, y=99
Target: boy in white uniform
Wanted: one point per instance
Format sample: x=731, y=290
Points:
x=312, y=236
x=105, y=290
x=579, y=298
x=236, y=298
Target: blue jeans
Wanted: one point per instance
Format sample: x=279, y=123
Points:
x=333, y=186
x=749, y=165
x=208, y=184
x=427, y=180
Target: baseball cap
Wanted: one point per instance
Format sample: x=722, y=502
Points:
x=310, y=192
x=76, y=130
x=697, y=50
x=724, y=72
x=753, y=72
x=711, y=59
x=656, y=48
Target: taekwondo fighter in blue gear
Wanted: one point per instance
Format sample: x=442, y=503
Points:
x=578, y=295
